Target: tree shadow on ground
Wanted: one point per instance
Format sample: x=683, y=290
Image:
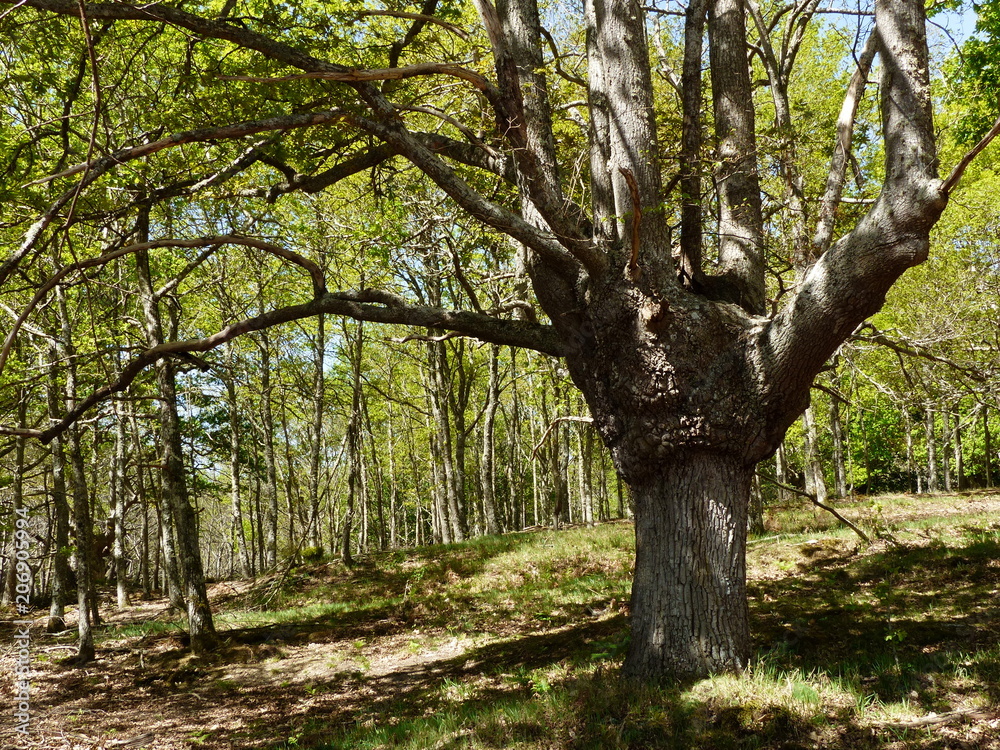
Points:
x=894, y=624
x=905, y=625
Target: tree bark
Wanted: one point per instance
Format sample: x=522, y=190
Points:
x=174, y=485
x=987, y=444
x=815, y=481
x=271, y=471
x=946, y=448
x=689, y=605
x=119, y=507
x=930, y=433
x=316, y=447
x=354, y=457
x=60, y=507
x=238, y=536
x=741, y=233
x=486, y=464
x=959, y=458
x=81, y=497
x=17, y=498
x=837, y=432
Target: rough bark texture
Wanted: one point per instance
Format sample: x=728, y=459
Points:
x=741, y=234
x=689, y=605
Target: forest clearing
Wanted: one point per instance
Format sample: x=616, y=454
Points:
x=514, y=642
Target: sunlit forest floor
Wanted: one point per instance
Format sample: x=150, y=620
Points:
x=514, y=642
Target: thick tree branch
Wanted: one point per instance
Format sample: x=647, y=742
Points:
x=216, y=29
x=545, y=244
x=691, y=137
x=850, y=281
x=93, y=170
x=318, y=182
x=385, y=74
x=842, y=150
x=367, y=304
x=741, y=233
x=514, y=31
x=391, y=129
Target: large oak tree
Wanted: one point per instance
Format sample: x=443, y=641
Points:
x=691, y=381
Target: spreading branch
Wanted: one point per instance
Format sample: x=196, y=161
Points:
x=319, y=282
x=959, y=170
x=217, y=133
x=457, y=31
x=383, y=74
x=870, y=333
x=832, y=195
x=367, y=305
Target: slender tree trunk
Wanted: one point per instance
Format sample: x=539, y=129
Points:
x=316, y=448
x=815, y=483
x=486, y=470
x=394, y=534
x=959, y=459
x=81, y=498
x=84, y=545
x=17, y=497
x=781, y=471
x=987, y=444
x=946, y=448
x=271, y=471
x=143, y=499
x=932, y=463
x=174, y=486
x=837, y=432
x=439, y=386
x=458, y=399
x=756, y=520
x=60, y=507
x=911, y=463
x=291, y=485
x=119, y=561
x=375, y=479
x=689, y=611
x=586, y=438
x=172, y=574
x=353, y=442
x=238, y=537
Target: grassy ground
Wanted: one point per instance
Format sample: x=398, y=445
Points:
x=515, y=641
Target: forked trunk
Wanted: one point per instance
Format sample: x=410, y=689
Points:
x=689, y=605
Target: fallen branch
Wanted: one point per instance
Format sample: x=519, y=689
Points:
x=976, y=714
x=817, y=503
